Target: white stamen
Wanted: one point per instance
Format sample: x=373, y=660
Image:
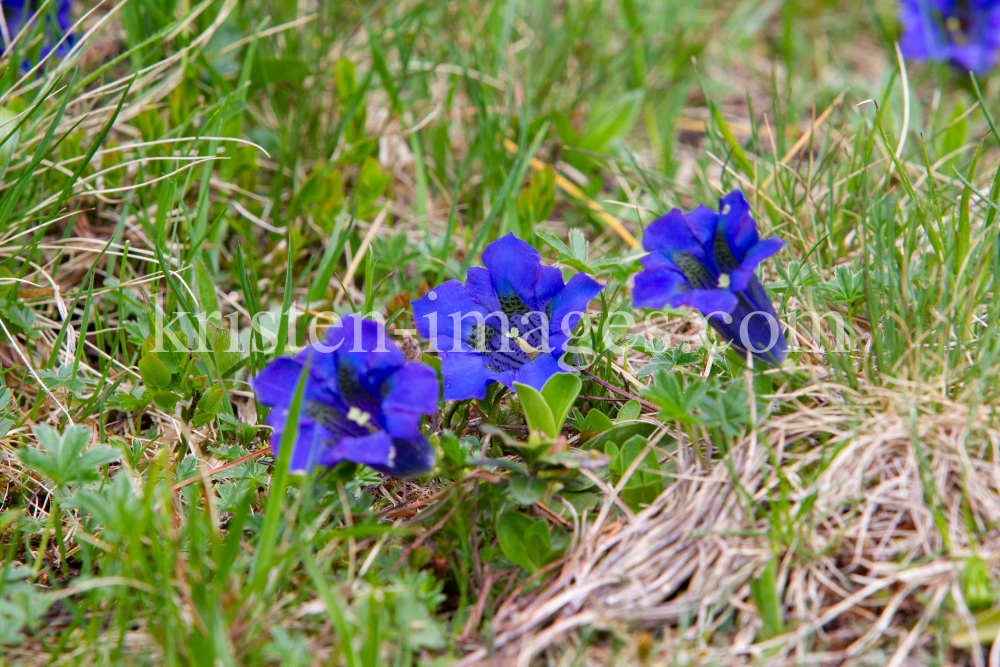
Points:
x=358, y=416
x=528, y=349
x=513, y=333
x=724, y=281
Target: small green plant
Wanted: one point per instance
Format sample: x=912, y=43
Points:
x=646, y=482
x=65, y=458
x=529, y=542
x=546, y=411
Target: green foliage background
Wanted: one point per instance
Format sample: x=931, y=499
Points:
x=281, y=161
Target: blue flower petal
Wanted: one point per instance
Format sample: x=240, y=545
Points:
x=356, y=368
x=657, y=260
x=740, y=227
x=375, y=450
x=741, y=277
x=755, y=325
x=437, y=312
x=309, y=442
x=568, y=305
x=480, y=285
x=413, y=456
x=538, y=371
x=14, y=14
x=762, y=251
x=975, y=57
x=922, y=38
x=514, y=267
x=413, y=392
x=550, y=283
x=392, y=456
x=276, y=382
x=658, y=287
x=702, y=222
x=708, y=301
x=970, y=44
x=368, y=348
x=466, y=375
x=670, y=234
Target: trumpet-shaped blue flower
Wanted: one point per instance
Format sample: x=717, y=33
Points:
x=16, y=12
x=362, y=401
x=510, y=322
x=706, y=260
x=965, y=33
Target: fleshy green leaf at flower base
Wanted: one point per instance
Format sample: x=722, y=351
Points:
x=536, y=410
x=560, y=392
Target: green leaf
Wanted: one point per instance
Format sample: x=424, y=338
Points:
x=764, y=591
x=620, y=432
x=132, y=401
x=525, y=541
x=957, y=130
x=211, y=401
x=154, y=372
x=536, y=200
x=611, y=119
x=201, y=419
x=455, y=451
x=976, y=584
x=738, y=153
x=574, y=255
x=560, y=392
x=166, y=400
x=226, y=345
x=629, y=412
x=677, y=402
x=8, y=127
x=645, y=484
x=964, y=233
x=64, y=458
x=598, y=422
x=579, y=245
x=288, y=70
x=205, y=288
x=526, y=491
x=371, y=182
x=343, y=76
x=536, y=410
x=573, y=460
x=561, y=248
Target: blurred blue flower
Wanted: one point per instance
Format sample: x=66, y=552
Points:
x=509, y=323
x=362, y=401
x=16, y=12
x=706, y=260
x=965, y=33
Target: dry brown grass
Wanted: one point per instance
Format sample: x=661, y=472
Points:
x=876, y=553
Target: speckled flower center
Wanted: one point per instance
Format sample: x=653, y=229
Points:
x=356, y=417
x=508, y=351
x=698, y=275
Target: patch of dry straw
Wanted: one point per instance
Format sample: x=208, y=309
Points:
x=868, y=548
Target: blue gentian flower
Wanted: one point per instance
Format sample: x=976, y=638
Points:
x=362, y=401
x=965, y=33
x=16, y=12
x=509, y=323
x=706, y=260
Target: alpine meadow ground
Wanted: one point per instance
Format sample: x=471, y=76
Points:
x=591, y=332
